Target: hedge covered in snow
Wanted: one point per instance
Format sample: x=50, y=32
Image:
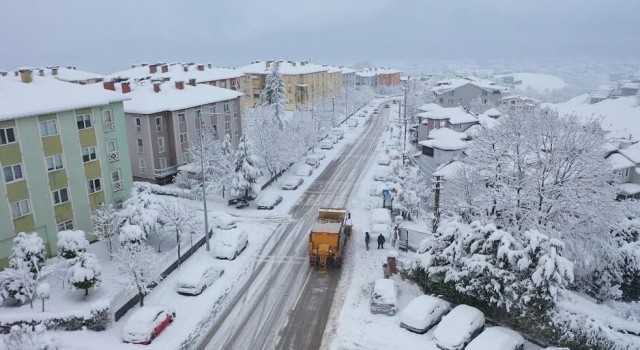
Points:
x=167, y=191
x=96, y=319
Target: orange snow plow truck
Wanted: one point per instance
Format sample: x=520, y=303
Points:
x=328, y=237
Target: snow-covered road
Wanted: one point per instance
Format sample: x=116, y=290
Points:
x=285, y=304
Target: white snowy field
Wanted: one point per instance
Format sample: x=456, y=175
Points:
x=192, y=310
x=538, y=82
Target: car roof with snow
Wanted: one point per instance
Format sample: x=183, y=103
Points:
x=228, y=236
x=268, y=198
x=221, y=216
x=423, y=304
x=145, y=315
x=194, y=272
x=381, y=215
x=496, y=338
x=457, y=323
x=291, y=179
x=384, y=291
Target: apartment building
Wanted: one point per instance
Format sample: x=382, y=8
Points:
x=63, y=152
x=69, y=74
x=375, y=77
x=304, y=81
x=518, y=103
x=164, y=118
x=461, y=91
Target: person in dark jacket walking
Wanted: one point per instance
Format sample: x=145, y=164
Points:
x=381, y=241
x=366, y=239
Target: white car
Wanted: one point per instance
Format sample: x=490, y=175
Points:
x=223, y=220
x=312, y=161
x=458, y=327
x=197, y=278
x=147, y=323
x=352, y=123
x=384, y=160
x=338, y=133
x=376, y=229
x=292, y=182
x=318, y=155
x=384, y=297
x=381, y=216
x=381, y=175
x=498, y=338
x=326, y=144
x=304, y=170
x=269, y=200
x=229, y=244
x=422, y=313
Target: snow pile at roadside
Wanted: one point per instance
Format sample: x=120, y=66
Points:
x=538, y=82
x=620, y=116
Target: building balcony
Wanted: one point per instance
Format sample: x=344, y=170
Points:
x=114, y=157
x=109, y=126
x=117, y=186
x=165, y=171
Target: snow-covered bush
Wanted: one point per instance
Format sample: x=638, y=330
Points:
x=27, y=337
x=19, y=280
x=97, y=318
x=131, y=234
x=490, y=264
x=244, y=181
x=85, y=272
x=106, y=225
x=71, y=243
x=181, y=192
x=143, y=209
x=138, y=266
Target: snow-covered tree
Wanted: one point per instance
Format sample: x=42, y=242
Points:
x=71, y=243
x=542, y=172
x=43, y=292
x=412, y=191
x=143, y=209
x=215, y=157
x=28, y=337
x=269, y=141
x=85, y=272
x=274, y=95
x=480, y=105
x=244, y=182
x=131, y=234
x=106, y=225
x=26, y=263
x=138, y=267
x=179, y=220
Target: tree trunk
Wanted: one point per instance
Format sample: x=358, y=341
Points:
x=141, y=297
x=42, y=304
x=31, y=302
x=178, y=242
x=86, y=292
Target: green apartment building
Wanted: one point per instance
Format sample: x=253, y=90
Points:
x=63, y=152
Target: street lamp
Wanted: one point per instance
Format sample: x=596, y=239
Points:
x=204, y=186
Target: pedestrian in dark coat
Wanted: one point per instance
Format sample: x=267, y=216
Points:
x=381, y=241
x=366, y=239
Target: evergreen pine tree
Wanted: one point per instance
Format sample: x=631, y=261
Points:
x=274, y=95
x=247, y=171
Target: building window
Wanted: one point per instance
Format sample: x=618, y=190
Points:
x=451, y=101
x=142, y=166
x=212, y=109
x=94, y=186
x=89, y=154
x=163, y=162
x=226, y=107
x=452, y=93
x=183, y=137
x=54, y=162
x=108, y=121
x=140, y=146
x=227, y=125
x=198, y=113
x=158, y=124
x=233, y=83
x=427, y=151
x=116, y=180
x=48, y=128
x=160, y=144
x=20, y=208
x=441, y=100
x=60, y=196
x=7, y=135
x=484, y=93
x=112, y=151
x=223, y=84
x=65, y=226
x=138, y=125
x=181, y=117
x=83, y=121
x=12, y=173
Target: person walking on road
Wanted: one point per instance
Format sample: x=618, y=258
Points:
x=381, y=241
x=366, y=239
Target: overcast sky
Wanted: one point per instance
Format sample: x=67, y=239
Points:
x=105, y=36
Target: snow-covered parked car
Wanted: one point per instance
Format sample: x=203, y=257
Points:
x=223, y=220
x=422, y=313
x=498, y=338
x=147, y=323
x=352, y=123
x=381, y=175
x=376, y=189
x=229, y=244
x=292, y=182
x=458, y=327
x=338, y=133
x=376, y=229
x=326, y=144
x=312, y=160
x=304, y=170
x=197, y=278
x=383, y=159
x=384, y=297
x=269, y=200
x=381, y=216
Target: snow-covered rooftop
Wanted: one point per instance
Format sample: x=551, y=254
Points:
x=445, y=139
x=429, y=107
x=629, y=189
x=144, y=100
x=447, y=169
x=492, y=112
x=618, y=161
x=176, y=72
x=48, y=95
x=285, y=67
x=447, y=85
x=455, y=115
x=632, y=152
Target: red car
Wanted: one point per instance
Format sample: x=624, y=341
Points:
x=147, y=323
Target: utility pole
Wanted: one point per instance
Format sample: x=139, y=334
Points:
x=204, y=192
x=404, y=145
x=436, y=207
x=346, y=99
